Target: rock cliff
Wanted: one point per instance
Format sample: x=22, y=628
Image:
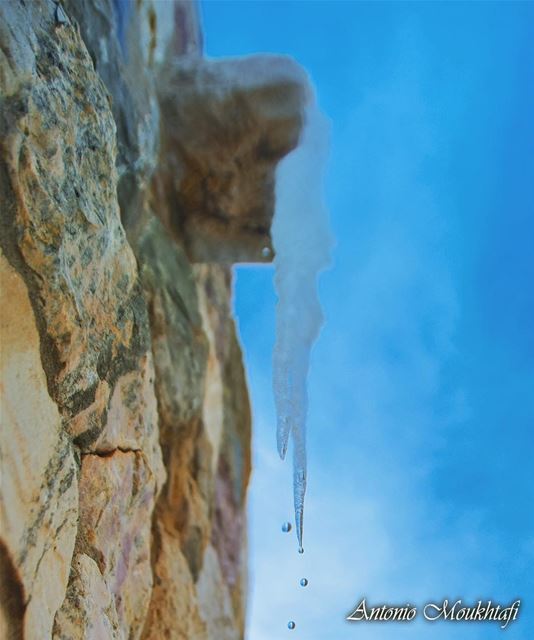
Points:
x=133, y=174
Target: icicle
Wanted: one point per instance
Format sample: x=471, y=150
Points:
x=302, y=242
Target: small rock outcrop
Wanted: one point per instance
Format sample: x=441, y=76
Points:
x=225, y=126
x=133, y=174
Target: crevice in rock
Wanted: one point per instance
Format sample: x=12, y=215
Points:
x=12, y=601
x=108, y=453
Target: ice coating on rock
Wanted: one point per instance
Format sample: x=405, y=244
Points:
x=302, y=243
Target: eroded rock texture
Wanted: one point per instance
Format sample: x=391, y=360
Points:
x=225, y=125
x=133, y=173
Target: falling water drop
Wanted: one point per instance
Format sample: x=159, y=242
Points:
x=60, y=16
x=266, y=252
x=286, y=527
x=301, y=549
x=291, y=625
x=304, y=582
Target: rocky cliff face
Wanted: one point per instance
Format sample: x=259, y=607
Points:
x=132, y=175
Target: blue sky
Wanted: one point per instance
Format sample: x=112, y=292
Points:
x=421, y=386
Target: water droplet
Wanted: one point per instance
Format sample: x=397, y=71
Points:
x=304, y=582
x=59, y=15
x=291, y=625
x=286, y=527
x=301, y=549
x=266, y=252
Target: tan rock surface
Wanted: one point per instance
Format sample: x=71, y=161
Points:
x=89, y=612
x=38, y=487
x=117, y=493
x=64, y=229
x=215, y=601
x=126, y=426
x=173, y=612
x=225, y=125
x=64, y=236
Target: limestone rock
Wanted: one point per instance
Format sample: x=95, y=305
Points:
x=132, y=174
x=132, y=418
x=89, y=383
x=180, y=351
x=38, y=486
x=108, y=27
x=178, y=341
x=126, y=41
x=89, y=612
x=63, y=225
x=205, y=430
x=215, y=601
x=173, y=612
x=117, y=493
x=225, y=125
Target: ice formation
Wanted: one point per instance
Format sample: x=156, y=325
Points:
x=302, y=243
